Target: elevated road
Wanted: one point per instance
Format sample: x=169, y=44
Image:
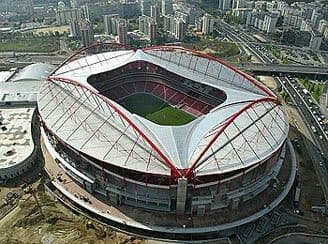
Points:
x=270, y=68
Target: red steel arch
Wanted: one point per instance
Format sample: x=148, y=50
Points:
x=207, y=56
x=174, y=170
x=275, y=100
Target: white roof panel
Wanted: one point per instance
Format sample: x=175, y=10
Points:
x=97, y=129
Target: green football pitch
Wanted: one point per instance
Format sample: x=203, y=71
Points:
x=155, y=110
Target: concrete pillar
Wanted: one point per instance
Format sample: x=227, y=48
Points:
x=181, y=195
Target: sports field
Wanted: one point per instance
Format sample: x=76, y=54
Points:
x=156, y=110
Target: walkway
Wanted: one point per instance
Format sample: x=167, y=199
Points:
x=143, y=221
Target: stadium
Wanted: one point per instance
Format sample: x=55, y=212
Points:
x=163, y=128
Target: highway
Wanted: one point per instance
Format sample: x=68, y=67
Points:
x=271, y=68
x=316, y=151
x=308, y=110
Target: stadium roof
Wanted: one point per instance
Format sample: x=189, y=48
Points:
x=24, y=85
x=242, y=131
x=37, y=72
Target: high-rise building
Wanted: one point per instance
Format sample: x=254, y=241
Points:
x=153, y=32
x=226, y=4
x=182, y=15
x=220, y=4
x=85, y=12
x=145, y=7
x=315, y=19
x=61, y=6
x=168, y=23
x=110, y=23
x=325, y=33
x=234, y=4
x=144, y=24
x=122, y=32
x=64, y=16
x=237, y=4
x=155, y=12
x=87, y=37
x=167, y=7
x=29, y=7
x=75, y=3
x=315, y=42
x=180, y=29
x=148, y=26
x=270, y=22
x=207, y=24
x=323, y=24
x=74, y=27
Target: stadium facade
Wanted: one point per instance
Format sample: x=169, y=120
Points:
x=230, y=153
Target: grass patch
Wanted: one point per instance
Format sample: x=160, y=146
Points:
x=316, y=89
x=274, y=50
x=156, y=110
x=30, y=44
x=220, y=49
x=52, y=29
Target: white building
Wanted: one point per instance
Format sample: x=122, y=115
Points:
x=325, y=33
x=322, y=26
x=168, y=23
x=74, y=28
x=315, y=42
x=270, y=22
x=64, y=16
x=180, y=29
x=155, y=13
x=207, y=24
x=144, y=24
x=148, y=26
x=85, y=12
x=145, y=7
x=153, y=34
x=167, y=7
x=110, y=24
x=226, y=4
x=122, y=32
x=87, y=37
x=242, y=13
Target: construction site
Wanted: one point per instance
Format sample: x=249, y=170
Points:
x=33, y=216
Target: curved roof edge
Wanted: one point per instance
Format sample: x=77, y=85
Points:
x=37, y=71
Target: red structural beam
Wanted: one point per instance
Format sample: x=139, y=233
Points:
x=90, y=47
x=207, y=56
x=174, y=170
x=275, y=100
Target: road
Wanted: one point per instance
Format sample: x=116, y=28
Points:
x=316, y=150
x=298, y=237
x=319, y=151
x=284, y=68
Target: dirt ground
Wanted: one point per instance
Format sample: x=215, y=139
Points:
x=269, y=82
x=311, y=193
x=37, y=218
x=60, y=29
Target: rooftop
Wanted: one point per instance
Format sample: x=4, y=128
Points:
x=23, y=86
x=245, y=129
x=16, y=143
x=5, y=75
